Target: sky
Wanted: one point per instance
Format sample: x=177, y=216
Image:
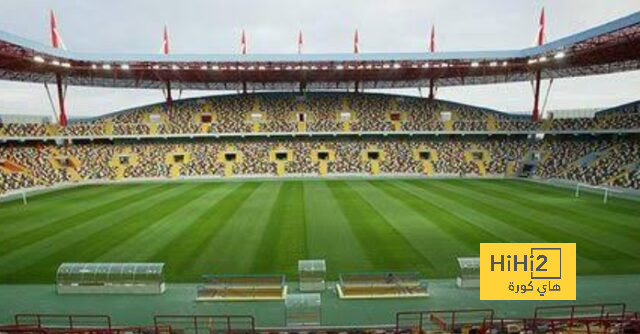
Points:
x=214, y=26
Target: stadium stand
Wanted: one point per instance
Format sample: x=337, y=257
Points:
x=606, y=159
x=302, y=135
x=317, y=112
x=621, y=117
x=597, y=161
x=601, y=160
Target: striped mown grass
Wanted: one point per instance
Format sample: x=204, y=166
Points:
x=266, y=226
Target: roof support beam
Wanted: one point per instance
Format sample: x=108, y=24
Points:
x=535, y=115
x=61, y=96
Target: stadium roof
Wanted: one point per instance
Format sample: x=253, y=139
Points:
x=611, y=47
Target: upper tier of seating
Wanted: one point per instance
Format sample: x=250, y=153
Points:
x=316, y=112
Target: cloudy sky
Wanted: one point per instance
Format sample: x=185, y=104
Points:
x=214, y=26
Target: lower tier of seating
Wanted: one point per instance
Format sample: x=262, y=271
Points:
x=600, y=160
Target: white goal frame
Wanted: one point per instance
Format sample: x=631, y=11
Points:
x=594, y=189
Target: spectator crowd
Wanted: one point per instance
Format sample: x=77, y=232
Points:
x=320, y=112
x=611, y=159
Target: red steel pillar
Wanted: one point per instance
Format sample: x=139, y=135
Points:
x=61, y=93
x=169, y=99
x=431, y=89
x=56, y=42
x=165, y=50
x=432, y=49
x=535, y=115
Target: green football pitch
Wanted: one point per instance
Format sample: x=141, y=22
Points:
x=247, y=227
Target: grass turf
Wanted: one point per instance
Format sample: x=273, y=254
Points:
x=266, y=226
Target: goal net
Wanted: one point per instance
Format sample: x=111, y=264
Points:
x=604, y=192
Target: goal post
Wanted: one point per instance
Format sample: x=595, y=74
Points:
x=582, y=188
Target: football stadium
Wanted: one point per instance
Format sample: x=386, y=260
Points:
x=309, y=192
